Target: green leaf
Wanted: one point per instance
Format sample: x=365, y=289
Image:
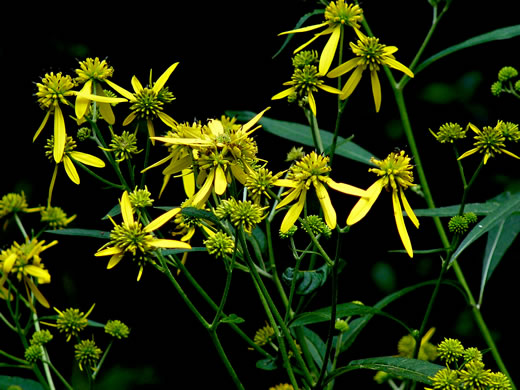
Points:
x=323, y=315
x=316, y=346
x=268, y=364
x=449, y=211
x=81, y=232
x=200, y=214
x=505, y=209
x=22, y=383
x=499, y=240
x=413, y=369
x=300, y=23
x=499, y=34
x=167, y=252
x=307, y=281
x=232, y=319
x=301, y=134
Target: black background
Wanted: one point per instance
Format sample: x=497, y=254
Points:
x=225, y=52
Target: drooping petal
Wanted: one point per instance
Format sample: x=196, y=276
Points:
x=60, y=134
x=345, y=188
x=87, y=159
x=177, y=166
x=136, y=84
x=42, y=125
x=408, y=209
x=130, y=118
x=220, y=180
x=327, y=55
x=110, y=251
x=202, y=195
x=161, y=220
x=399, y=221
x=114, y=260
x=161, y=81
x=351, y=83
x=397, y=65
x=468, y=153
x=8, y=263
x=329, y=89
x=292, y=194
x=312, y=103
x=326, y=205
x=151, y=130
x=188, y=180
x=106, y=112
x=286, y=183
x=167, y=120
x=254, y=120
x=126, y=209
x=293, y=213
x=363, y=205
x=72, y=173
x=238, y=173
x=82, y=102
x=172, y=244
x=376, y=89
x=37, y=294
x=41, y=274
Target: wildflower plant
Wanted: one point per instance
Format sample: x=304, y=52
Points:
x=291, y=228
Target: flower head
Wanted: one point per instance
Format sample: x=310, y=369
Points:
x=220, y=244
x=92, y=73
x=123, y=146
x=490, y=141
x=396, y=176
x=304, y=82
x=87, y=353
x=258, y=183
x=147, y=102
x=117, y=329
x=55, y=217
x=241, y=213
x=474, y=375
x=134, y=239
x=53, y=90
x=337, y=15
x=71, y=321
x=450, y=350
x=41, y=337
x=427, y=350
x=25, y=263
x=15, y=203
x=446, y=379
x=264, y=335
x=449, y=132
x=371, y=55
x=311, y=169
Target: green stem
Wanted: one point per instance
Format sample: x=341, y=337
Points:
x=225, y=359
x=316, y=136
x=60, y=377
x=272, y=266
x=95, y=175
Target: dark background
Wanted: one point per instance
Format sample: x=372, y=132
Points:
x=225, y=52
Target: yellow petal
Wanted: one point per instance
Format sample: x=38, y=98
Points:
x=329, y=89
x=285, y=183
x=293, y=213
x=129, y=119
x=161, y=220
x=363, y=205
x=8, y=263
x=114, y=250
x=220, y=180
x=87, y=159
x=59, y=134
x=188, y=180
x=345, y=188
x=37, y=294
x=351, y=83
x=173, y=244
x=254, y=120
x=161, y=81
x=202, y=195
x=408, y=209
x=82, y=103
x=106, y=112
x=44, y=122
x=40, y=273
x=136, y=84
x=468, y=153
x=399, y=221
x=284, y=93
x=127, y=94
x=376, y=89
x=327, y=55
x=397, y=65
x=114, y=260
x=126, y=209
x=291, y=195
x=328, y=211
x=343, y=68
x=304, y=29
x=151, y=130
x=167, y=120
x=239, y=173
x=72, y=173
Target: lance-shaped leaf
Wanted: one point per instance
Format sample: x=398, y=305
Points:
x=306, y=281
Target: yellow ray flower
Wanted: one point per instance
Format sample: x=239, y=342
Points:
x=91, y=74
x=337, y=14
x=69, y=156
x=131, y=237
x=311, y=169
x=369, y=54
x=148, y=102
x=396, y=176
x=490, y=141
x=53, y=90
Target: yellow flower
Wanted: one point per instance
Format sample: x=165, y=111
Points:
x=311, y=169
x=131, y=237
x=15, y=203
x=396, y=176
x=52, y=91
x=369, y=54
x=220, y=149
x=91, y=73
x=337, y=14
x=303, y=83
x=490, y=141
x=69, y=157
x=147, y=102
x=24, y=261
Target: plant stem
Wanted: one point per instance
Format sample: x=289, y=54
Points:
x=224, y=358
x=316, y=136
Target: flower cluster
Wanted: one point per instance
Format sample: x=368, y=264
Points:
x=506, y=82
